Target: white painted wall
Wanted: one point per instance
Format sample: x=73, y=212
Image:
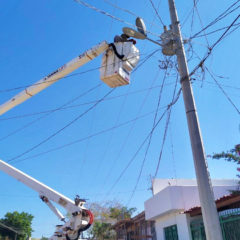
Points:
x=160, y=184
x=180, y=220
x=172, y=197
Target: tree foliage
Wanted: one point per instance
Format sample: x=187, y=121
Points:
x=20, y=222
x=121, y=213
x=232, y=155
x=102, y=230
x=105, y=215
x=44, y=238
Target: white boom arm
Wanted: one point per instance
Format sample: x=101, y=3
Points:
x=54, y=76
x=80, y=218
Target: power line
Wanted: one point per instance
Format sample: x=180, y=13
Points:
x=109, y=15
x=133, y=125
x=145, y=60
x=143, y=143
x=102, y=159
x=166, y=126
x=164, y=137
x=189, y=14
x=200, y=20
x=71, y=122
x=223, y=91
x=135, y=154
x=68, y=76
x=87, y=137
x=63, y=106
x=35, y=84
x=150, y=139
x=156, y=11
x=213, y=46
x=128, y=11
x=129, y=133
x=86, y=103
x=61, y=129
x=221, y=16
x=216, y=30
x=49, y=112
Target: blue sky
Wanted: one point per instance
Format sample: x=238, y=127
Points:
x=39, y=36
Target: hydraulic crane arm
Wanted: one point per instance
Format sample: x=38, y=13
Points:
x=80, y=218
x=54, y=76
x=119, y=59
x=39, y=187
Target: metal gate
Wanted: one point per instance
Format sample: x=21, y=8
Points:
x=230, y=224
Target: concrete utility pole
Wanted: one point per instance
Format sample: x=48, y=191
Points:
x=209, y=211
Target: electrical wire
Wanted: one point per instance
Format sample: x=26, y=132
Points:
x=135, y=154
x=128, y=11
x=166, y=127
x=216, y=30
x=172, y=151
x=156, y=11
x=143, y=143
x=102, y=159
x=87, y=137
x=223, y=91
x=109, y=15
x=59, y=108
x=87, y=103
x=128, y=135
x=61, y=129
x=213, y=46
x=200, y=20
x=145, y=60
x=133, y=124
x=68, y=76
x=49, y=112
x=140, y=65
x=221, y=16
x=150, y=139
x=189, y=14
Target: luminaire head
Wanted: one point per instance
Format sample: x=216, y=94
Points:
x=141, y=26
x=140, y=34
x=133, y=33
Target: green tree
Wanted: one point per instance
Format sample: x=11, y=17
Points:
x=21, y=222
x=121, y=213
x=105, y=215
x=232, y=155
x=44, y=238
x=102, y=230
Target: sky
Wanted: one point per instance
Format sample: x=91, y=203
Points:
x=40, y=36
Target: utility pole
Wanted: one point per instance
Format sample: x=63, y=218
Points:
x=208, y=206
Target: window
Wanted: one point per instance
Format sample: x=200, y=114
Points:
x=171, y=233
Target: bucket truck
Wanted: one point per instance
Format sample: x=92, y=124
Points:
x=80, y=219
x=119, y=59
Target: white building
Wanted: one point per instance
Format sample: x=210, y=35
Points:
x=171, y=198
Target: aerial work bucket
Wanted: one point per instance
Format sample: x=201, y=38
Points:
x=118, y=62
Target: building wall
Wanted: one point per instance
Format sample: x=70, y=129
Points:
x=159, y=184
x=182, y=222
x=169, y=202
x=178, y=198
